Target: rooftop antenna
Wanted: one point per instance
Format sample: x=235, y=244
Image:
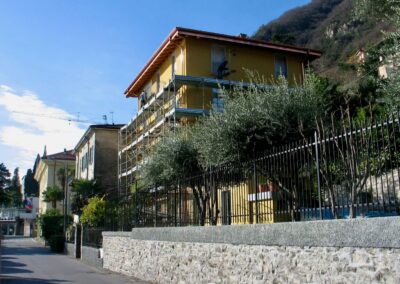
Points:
x=105, y=119
x=112, y=117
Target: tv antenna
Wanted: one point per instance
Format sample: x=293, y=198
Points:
x=112, y=117
x=105, y=119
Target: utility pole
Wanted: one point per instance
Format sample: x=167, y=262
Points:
x=65, y=193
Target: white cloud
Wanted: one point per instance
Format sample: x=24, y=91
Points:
x=33, y=125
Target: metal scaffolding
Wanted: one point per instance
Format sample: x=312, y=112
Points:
x=163, y=112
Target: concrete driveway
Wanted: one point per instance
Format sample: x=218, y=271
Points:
x=25, y=261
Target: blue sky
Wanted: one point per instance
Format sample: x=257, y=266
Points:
x=68, y=59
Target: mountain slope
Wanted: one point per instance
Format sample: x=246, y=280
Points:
x=326, y=25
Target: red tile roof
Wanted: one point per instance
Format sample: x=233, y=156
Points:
x=65, y=156
x=178, y=34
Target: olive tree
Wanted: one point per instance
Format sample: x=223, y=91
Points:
x=254, y=118
x=257, y=117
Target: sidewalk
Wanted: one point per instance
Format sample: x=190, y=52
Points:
x=25, y=261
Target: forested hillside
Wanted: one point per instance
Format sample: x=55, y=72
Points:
x=326, y=25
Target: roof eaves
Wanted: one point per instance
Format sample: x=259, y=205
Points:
x=156, y=54
x=179, y=32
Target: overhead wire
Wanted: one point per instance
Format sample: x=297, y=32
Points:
x=69, y=119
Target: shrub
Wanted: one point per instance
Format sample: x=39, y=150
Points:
x=51, y=224
x=56, y=243
x=93, y=214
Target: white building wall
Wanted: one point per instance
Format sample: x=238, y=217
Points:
x=85, y=159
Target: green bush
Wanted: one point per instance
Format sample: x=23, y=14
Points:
x=56, y=243
x=51, y=224
x=93, y=214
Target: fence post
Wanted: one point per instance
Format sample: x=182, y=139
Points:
x=255, y=188
x=135, y=208
x=176, y=204
x=318, y=174
x=155, y=206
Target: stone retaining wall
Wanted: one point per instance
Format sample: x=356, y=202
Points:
x=70, y=249
x=91, y=256
x=343, y=251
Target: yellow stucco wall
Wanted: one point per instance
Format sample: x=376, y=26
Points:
x=194, y=56
x=261, y=60
x=242, y=209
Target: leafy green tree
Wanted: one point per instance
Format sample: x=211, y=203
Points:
x=63, y=177
x=4, y=184
x=15, y=189
x=82, y=190
x=93, y=214
x=174, y=157
x=53, y=194
x=256, y=118
x=31, y=186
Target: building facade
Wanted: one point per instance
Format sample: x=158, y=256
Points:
x=50, y=171
x=97, y=155
x=182, y=81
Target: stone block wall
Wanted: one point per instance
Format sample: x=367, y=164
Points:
x=169, y=262
x=309, y=252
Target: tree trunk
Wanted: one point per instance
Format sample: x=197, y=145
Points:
x=333, y=204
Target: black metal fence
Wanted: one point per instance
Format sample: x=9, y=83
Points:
x=346, y=170
x=92, y=237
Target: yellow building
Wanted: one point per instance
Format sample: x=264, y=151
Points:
x=49, y=172
x=182, y=80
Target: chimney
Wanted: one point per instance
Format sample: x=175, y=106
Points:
x=44, y=152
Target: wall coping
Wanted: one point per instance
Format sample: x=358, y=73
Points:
x=116, y=234
x=382, y=232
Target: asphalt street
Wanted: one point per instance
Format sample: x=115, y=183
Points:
x=25, y=261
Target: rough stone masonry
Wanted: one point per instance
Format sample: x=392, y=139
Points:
x=150, y=254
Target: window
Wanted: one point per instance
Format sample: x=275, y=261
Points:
x=82, y=163
x=91, y=155
x=218, y=57
x=147, y=90
x=281, y=66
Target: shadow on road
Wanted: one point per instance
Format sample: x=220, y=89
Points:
x=21, y=280
x=14, y=250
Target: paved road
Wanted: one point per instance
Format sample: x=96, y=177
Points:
x=24, y=261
